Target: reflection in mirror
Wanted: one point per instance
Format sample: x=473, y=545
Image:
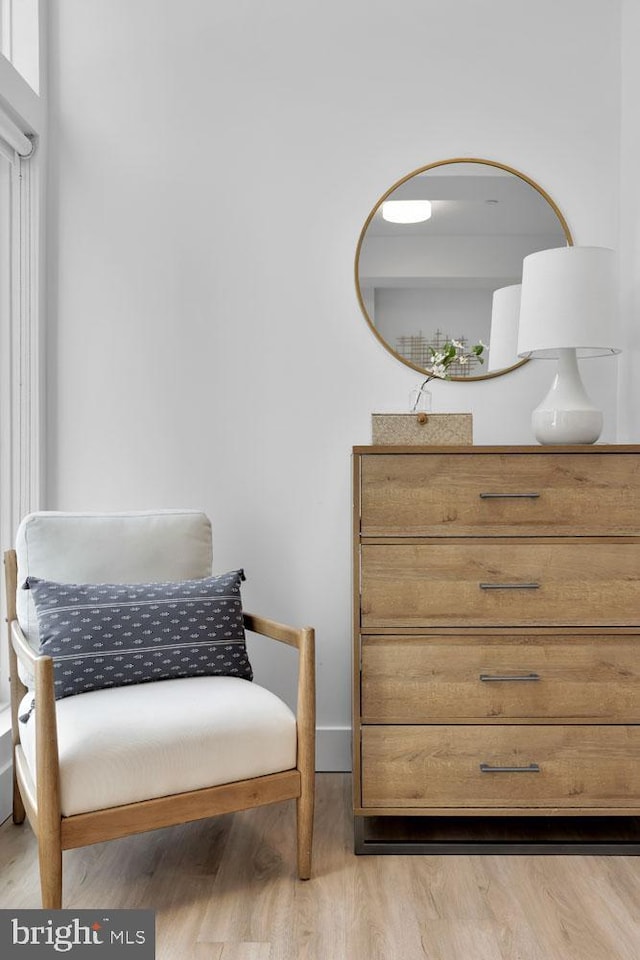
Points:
x=505, y=314
x=427, y=281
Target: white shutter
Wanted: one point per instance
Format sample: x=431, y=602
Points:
x=14, y=143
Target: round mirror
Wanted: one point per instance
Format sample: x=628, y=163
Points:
x=433, y=252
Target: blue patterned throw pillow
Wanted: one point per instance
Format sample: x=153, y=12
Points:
x=110, y=635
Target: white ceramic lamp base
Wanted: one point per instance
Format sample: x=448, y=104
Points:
x=567, y=415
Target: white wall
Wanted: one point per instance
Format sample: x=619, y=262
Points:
x=629, y=244
x=213, y=164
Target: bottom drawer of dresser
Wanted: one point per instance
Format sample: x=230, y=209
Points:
x=500, y=766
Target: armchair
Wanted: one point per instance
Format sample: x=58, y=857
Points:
x=111, y=762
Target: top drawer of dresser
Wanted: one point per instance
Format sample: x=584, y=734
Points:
x=509, y=494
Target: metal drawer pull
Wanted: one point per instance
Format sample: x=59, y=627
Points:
x=509, y=586
x=509, y=496
x=485, y=677
x=532, y=768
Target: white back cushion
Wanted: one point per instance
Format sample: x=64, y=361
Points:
x=135, y=547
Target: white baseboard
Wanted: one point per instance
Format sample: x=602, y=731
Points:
x=6, y=775
x=333, y=749
x=6, y=792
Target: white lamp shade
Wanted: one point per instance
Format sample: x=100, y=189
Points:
x=503, y=341
x=568, y=301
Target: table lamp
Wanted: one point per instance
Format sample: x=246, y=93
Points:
x=567, y=311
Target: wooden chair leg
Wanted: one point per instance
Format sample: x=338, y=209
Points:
x=50, y=856
x=18, y=806
x=304, y=816
x=306, y=749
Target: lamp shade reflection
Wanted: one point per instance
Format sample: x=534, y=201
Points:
x=505, y=313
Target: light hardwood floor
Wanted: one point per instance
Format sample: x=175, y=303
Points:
x=226, y=889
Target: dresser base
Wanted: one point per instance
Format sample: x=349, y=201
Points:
x=440, y=836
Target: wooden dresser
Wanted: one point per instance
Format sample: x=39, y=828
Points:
x=496, y=631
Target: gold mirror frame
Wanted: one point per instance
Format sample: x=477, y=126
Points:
x=398, y=183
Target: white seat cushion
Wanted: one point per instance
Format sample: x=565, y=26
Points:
x=127, y=744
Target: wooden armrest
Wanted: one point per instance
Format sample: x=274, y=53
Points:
x=23, y=649
x=39, y=665
x=47, y=762
x=293, y=636
x=303, y=639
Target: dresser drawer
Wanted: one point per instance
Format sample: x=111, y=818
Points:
x=487, y=582
x=509, y=494
x=458, y=679
x=440, y=766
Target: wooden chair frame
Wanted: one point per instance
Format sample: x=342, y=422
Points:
x=40, y=801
